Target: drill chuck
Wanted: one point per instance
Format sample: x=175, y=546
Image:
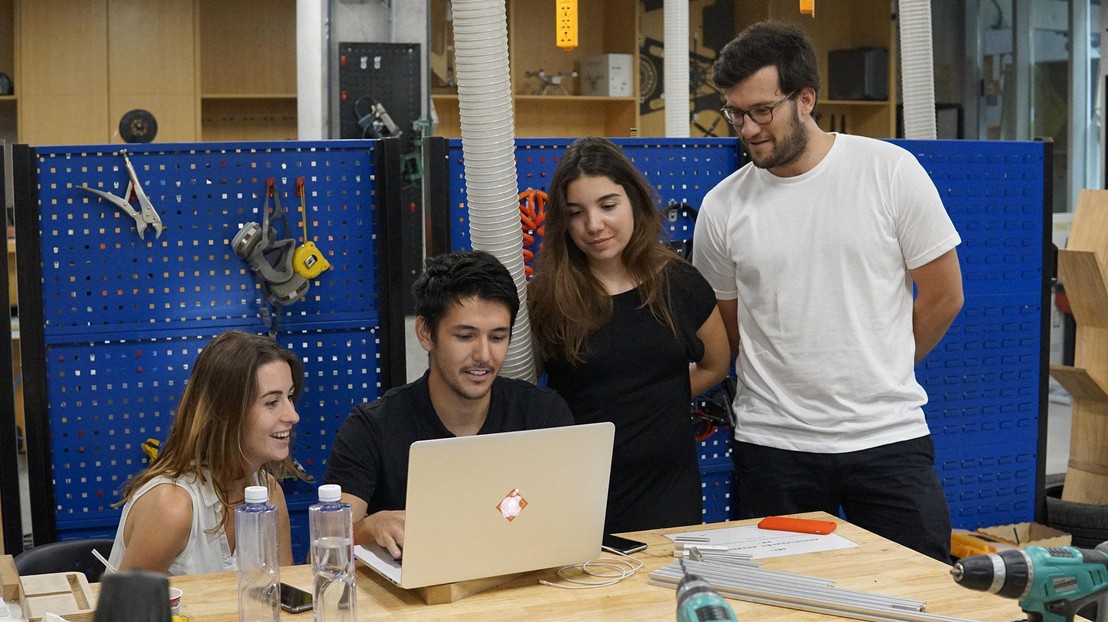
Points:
x=1007, y=573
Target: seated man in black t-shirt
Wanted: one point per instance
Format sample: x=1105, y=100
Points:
x=466, y=304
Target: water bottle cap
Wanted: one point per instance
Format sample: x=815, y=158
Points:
x=257, y=494
x=330, y=492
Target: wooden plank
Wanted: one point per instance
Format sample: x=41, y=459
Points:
x=1078, y=383
x=1080, y=271
x=454, y=592
x=1089, y=229
x=66, y=594
x=10, y=589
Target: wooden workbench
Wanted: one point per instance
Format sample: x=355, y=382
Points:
x=876, y=565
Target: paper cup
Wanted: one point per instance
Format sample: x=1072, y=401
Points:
x=175, y=601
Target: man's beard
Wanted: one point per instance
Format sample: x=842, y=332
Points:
x=787, y=149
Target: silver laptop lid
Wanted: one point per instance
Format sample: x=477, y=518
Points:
x=495, y=504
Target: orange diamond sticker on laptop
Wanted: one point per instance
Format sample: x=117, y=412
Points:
x=512, y=505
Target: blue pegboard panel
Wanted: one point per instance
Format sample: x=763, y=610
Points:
x=98, y=275
x=988, y=485
x=124, y=317
x=985, y=379
x=717, y=483
x=680, y=170
x=716, y=449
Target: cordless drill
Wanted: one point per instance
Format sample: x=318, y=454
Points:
x=1052, y=584
x=698, y=602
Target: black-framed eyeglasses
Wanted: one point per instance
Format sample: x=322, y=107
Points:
x=761, y=115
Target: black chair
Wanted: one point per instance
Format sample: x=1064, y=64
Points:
x=65, y=556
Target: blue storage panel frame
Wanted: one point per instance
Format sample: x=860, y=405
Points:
x=986, y=380
x=123, y=318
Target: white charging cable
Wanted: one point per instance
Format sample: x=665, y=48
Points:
x=609, y=571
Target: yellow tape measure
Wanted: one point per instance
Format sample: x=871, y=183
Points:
x=307, y=260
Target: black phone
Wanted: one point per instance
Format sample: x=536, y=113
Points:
x=294, y=599
x=622, y=545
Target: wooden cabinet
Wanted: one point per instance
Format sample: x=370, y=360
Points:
x=82, y=64
x=63, y=71
x=248, y=70
x=152, y=65
x=206, y=69
x=843, y=24
x=608, y=27
x=8, y=103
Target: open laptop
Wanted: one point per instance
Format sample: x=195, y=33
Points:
x=495, y=504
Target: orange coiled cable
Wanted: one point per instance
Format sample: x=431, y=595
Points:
x=532, y=219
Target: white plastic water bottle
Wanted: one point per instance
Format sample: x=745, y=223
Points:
x=331, y=529
x=256, y=556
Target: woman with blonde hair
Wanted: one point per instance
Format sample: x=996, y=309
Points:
x=233, y=429
x=627, y=331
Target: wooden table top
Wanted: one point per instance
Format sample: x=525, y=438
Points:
x=876, y=565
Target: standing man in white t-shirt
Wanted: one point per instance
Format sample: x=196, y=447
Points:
x=813, y=249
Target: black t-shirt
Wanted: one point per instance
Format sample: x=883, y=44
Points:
x=369, y=457
x=635, y=373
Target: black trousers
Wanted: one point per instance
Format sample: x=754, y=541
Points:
x=891, y=490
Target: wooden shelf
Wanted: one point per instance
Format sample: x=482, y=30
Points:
x=247, y=96
x=1079, y=383
x=248, y=118
x=840, y=25
x=852, y=102
x=552, y=116
x=1081, y=273
x=603, y=28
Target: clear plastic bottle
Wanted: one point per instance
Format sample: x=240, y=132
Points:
x=256, y=556
x=331, y=529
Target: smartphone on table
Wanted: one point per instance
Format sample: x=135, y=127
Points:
x=618, y=544
x=294, y=599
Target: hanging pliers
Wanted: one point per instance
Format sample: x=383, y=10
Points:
x=146, y=215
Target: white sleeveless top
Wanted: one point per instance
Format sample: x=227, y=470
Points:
x=205, y=551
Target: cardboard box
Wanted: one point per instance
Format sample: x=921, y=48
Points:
x=607, y=75
x=1024, y=534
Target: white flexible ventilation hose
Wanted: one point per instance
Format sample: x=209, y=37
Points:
x=488, y=146
x=917, y=69
x=676, y=67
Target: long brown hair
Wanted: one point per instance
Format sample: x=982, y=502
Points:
x=566, y=302
x=207, y=430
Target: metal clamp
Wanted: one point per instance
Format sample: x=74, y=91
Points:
x=146, y=215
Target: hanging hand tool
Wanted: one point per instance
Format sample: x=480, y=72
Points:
x=146, y=216
x=270, y=257
x=307, y=260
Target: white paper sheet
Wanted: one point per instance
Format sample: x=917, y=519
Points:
x=762, y=543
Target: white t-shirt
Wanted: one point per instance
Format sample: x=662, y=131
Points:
x=819, y=264
x=205, y=552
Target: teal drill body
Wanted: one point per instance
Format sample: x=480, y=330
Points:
x=698, y=602
x=1051, y=584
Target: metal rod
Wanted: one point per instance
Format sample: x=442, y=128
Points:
x=799, y=592
x=788, y=584
x=874, y=615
